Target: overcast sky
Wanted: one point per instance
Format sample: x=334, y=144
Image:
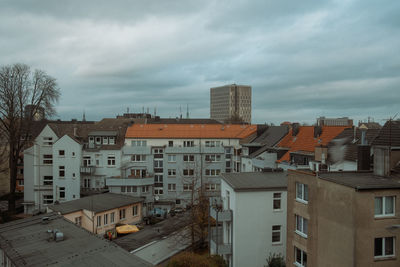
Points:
x=303, y=59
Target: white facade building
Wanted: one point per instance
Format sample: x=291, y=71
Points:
x=252, y=210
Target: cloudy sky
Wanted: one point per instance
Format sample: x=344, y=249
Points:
x=304, y=59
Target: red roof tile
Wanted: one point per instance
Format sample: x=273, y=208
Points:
x=305, y=140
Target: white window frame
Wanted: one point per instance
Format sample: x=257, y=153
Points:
x=158, y=191
x=301, y=263
x=187, y=187
x=111, y=160
x=105, y=219
x=172, y=158
x=188, y=172
x=48, y=199
x=188, y=143
x=78, y=220
x=135, y=210
x=384, y=249
x=122, y=214
x=145, y=189
x=384, y=214
x=189, y=158
x=301, y=197
x=276, y=231
x=300, y=228
x=277, y=196
x=171, y=187
x=98, y=221
x=112, y=217
x=111, y=140
x=171, y=172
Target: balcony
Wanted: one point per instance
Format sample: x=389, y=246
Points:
x=88, y=170
x=129, y=181
x=141, y=150
x=221, y=215
x=216, y=242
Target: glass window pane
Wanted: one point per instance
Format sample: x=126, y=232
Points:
x=276, y=237
x=389, y=246
x=298, y=255
x=378, y=247
x=304, y=259
x=299, y=190
x=378, y=206
x=389, y=201
x=305, y=226
x=277, y=204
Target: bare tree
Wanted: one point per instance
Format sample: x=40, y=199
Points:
x=21, y=87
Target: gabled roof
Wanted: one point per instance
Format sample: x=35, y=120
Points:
x=96, y=203
x=256, y=181
x=389, y=135
x=27, y=242
x=190, y=131
x=305, y=141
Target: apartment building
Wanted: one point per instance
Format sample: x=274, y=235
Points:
x=344, y=121
x=342, y=219
x=250, y=218
x=230, y=102
x=101, y=213
x=70, y=159
x=176, y=159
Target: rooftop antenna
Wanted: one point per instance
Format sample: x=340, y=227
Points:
x=127, y=110
x=143, y=109
x=187, y=111
x=84, y=116
x=180, y=111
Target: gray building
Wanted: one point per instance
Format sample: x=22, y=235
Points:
x=230, y=103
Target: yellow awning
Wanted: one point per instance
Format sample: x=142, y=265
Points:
x=127, y=229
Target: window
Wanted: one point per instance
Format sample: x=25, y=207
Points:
x=98, y=140
x=158, y=191
x=111, y=160
x=171, y=158
x=188, y=158
x=122, y=214
x=135, y=210
x=87, y=161
x=105, y=142
x=78, y=220
x=187, y=187
x=98, y=221
x=211, y=187
x=302, y=192
x=61, y=153
x=213, y=143
x=61, y=171
x=111, y=140
x=384, y=247
x=20, y=182
x=128, y=189
x=300, y=257
x=138, y=158
x=62, y=192
x=301, y=226
x=213, y=172
x=73, y=154
x=105, y=219
x=112, y=217
x=158, y=178
x=171, y=187
x=47, y=141
x=170, y=143
x=188, y=172
x=276, y=233
x=213, y=158
x=47, y=199
x=277, y=201
x=48, y=159
x=91, y=140
x=158, y=164
x=171, y=172
x=145, y=189
x=47, y=180
x=86, y=183
x=188, y=143
x=158, y=151
x=138, y=143
x=123, y=189
x=384, y=206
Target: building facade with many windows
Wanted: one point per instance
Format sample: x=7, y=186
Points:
x=250, y=216
x=342, y=219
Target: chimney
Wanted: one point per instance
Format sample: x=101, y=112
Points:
x=317, y=131
x=295, y=128
x=75, y=130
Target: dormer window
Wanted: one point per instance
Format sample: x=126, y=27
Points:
x=111, y=140
x=98, y=140
x=91, y=140
x=105, y=140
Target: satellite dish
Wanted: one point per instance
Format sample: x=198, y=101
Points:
x=156, y=198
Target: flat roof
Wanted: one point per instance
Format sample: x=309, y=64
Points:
x=361, y=180
x=96, y=203
x=27, y=242
x=256, y=181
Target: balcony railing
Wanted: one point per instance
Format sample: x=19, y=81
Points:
x=129, y=182
x=217, y=244
x=221, y=215
x=88, y=169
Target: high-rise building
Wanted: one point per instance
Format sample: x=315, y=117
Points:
x=231, y=103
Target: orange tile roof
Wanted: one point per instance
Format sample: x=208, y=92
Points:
x=305, y=141
x=190, y=131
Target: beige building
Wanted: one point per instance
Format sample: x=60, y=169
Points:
x=342, y=219
x=230, y=102
x=101, y=212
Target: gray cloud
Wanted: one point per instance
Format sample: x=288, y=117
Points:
x=304, y=58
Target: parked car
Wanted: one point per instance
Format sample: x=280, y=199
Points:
x=176, y=210
x=157, y=212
